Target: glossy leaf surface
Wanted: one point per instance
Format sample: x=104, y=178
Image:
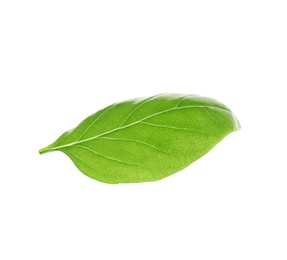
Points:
x=146, y=139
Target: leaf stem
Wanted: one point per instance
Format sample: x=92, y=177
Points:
x=44, y=150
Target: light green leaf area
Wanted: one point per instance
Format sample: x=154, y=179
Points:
x=146, y=139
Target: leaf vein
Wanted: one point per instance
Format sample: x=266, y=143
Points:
x=108, y=157
x=83, y=161
x=137, y=107
x=173, y=127
x=181, y=99
x=137, y=141
x=95, y=121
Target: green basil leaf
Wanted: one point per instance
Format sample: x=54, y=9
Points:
x=146, y=139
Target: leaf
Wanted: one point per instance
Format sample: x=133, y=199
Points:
x=146, y=139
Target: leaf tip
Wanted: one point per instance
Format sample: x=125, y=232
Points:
x=236, y=124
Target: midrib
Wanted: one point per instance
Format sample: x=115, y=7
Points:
x=134, y=123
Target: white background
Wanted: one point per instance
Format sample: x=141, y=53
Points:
x=61, y=61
